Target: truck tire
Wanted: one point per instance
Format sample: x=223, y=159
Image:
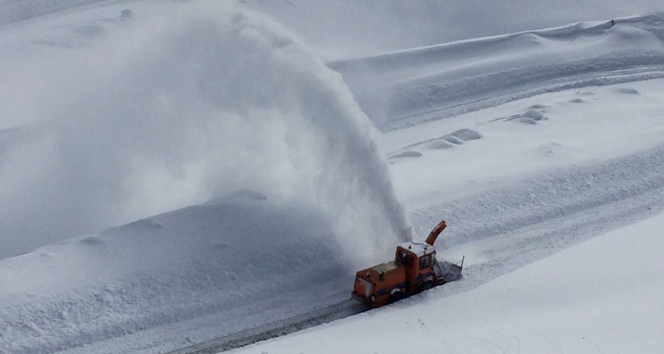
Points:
x=426, y=286
x=396, y=297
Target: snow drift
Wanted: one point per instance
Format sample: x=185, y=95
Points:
x=453, y=78
x=219, y=268
x=347, y=28
x=193, y=105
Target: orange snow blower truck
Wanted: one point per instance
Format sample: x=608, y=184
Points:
x=414, y=269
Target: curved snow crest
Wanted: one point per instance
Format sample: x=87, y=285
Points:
x=199, y=103
x=457, y=77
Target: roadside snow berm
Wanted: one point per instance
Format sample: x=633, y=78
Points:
x=414, y=269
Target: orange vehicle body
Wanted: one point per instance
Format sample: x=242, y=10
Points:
x=414, y=269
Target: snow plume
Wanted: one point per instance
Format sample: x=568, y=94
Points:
x=188, y=107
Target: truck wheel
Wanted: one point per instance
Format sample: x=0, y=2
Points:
x=426, y=286
x=396, y=297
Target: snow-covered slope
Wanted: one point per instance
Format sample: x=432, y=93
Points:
x=347, y=28
x=227, y=265
x=601, y=296
x=111, y=116
x=190, y=276
x=499, y=146
x=406, y=87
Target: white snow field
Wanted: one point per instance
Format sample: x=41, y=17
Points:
x=543, y=150
x=348, y=28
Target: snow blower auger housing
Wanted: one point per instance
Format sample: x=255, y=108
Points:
x=414, y=269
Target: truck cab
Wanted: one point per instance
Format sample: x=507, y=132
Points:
x=418, y=260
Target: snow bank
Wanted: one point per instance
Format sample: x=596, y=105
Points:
x=229, y=265
x=454, y=78
x=189, y=105
x=601, y=296
x=346, y=28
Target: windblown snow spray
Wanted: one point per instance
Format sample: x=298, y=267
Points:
x=196, y=105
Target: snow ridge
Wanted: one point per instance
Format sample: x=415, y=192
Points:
x=454, y=78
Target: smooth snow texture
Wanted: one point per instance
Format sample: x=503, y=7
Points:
x=347, y=28
x=402, y=88
x=193, y=104
x=601, y=296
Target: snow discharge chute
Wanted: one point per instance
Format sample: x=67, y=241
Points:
x=199, y=103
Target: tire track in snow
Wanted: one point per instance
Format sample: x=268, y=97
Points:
x=276, y=329
x=514, y=226
x=546, y=197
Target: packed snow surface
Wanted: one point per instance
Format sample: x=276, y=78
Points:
x=272, y=187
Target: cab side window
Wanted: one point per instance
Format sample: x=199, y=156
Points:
x=425, y=262
x=405, y=259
